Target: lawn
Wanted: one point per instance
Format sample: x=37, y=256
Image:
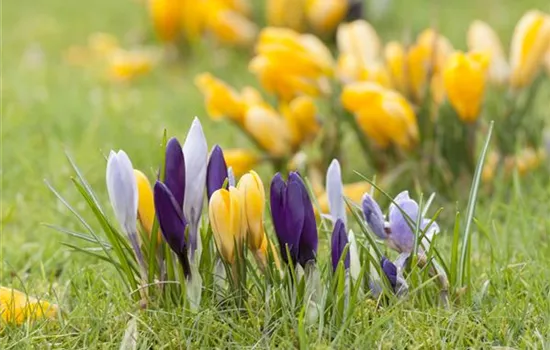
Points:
x=50, y=107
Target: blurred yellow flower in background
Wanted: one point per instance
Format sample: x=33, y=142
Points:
x=301, y=114
x=325, y=15
x=395, y=56
x=228, y=222
x=102, y=44
x=529, y=44
x=228, y=25
x=286, y=13
x=464, y=77
x=17, y=307
x=353, y=191
x=269, y=130
x=241, y=160
x=220, y=99
x=124, y=65
x=482, y=38
x=384, y=115
x=166, y=18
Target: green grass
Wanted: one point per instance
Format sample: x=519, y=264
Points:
x=49, y=107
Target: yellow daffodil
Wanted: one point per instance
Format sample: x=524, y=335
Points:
x=220, y=99
x=227, y=220
x=289, y=64
x=383, y=115
x=286, y=13
x=240, y=160
x=166, y=17
x=228, y=25
x=529, y=44
x=482, y=38
x=464, y=78
x=125, y=65
x=146, y=204
x=268, y=129
x=253, y=192
x=353, y=191
x=394, y=55
x=360, y=40
x=17, y=307
x=324, y=15
x=426, y=56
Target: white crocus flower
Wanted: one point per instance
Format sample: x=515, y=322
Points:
x=122, y=189
x=335, y=192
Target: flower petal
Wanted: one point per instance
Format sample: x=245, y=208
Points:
x=338, y=244
x=171, y=220
x=175, y=170
x=216, y=172
x=308, y=238
x=390, y=270
x=122, y=189
x=402, y=234
x=335, y=192
x=373, y=215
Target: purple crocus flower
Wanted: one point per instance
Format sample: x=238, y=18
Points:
x=172, y=222
x=216, y=171
x=338, y=244
x=293, y=219
x=390, y=270
x=174, y=177
x=398, y=232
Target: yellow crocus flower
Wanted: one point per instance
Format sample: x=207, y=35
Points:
x=229, y=26
x=228, y=224
x=220, y=99
x=529, y=44
x=395, y=56
x=193, y=19
x=304, y=113
x=166, y=17
x=146, y=203
x=125, y=65
x=286, y=13
x=240, y=160
x=482, y=38
x=253, y=192
x=268, y=129
x=383, y=115
x=353, y=191
x=464, y=79
x=360, y=40
x=324, y=15
x=17, y=307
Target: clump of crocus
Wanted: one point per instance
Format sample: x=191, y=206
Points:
x=293, y=219
x=398, y=231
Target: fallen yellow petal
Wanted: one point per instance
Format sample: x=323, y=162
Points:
x=17, y=307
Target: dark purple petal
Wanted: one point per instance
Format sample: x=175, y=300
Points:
x=308, y=238
x=390, y=270
x=338, y=244
x=355, y=10
x=402, y=230
x=288, y=215
x=373, y=215
x=175, y=170
x=170, y=217
x=216, y=172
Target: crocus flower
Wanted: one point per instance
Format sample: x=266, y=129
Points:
x=174, y=171
x=220, y=99
x=360, y=40
x=240, y=160
x=335, y=192
x=528, y=47
x=398, y=233
x=464, y=77
x=228, y=224
x=482, y=38
x=324, y=15
x=229, y=26
x=216, y=172
x=301, y=118
x=252, y=189
x=146, y=204
x=166, y=17
x=124, y=65
x=390, y=271
x=385, y=116
x=338, y=244
x=172, y=223
x=354, y=191
x=286, y=13
x=395, y=56
x=17, y=307
x=195, y=152
x=293, y=219
x=268, y=129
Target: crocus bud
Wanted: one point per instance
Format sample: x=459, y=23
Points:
x=390, y=271
x=268, y=129
x=528, y=46
x=338, y=244
x=146, y=204
x=335, y=192
x=373, y=215
x=293, y=219
x=195, y=152
x=216, y=172
x=325, y=15
x=464, y=77
x=252, y=189
x=175, y=170
x=482, y=38
x=228, y=225
x=122, y=189
x=220, y=99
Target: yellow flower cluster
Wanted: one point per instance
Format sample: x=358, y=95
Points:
x=277, y=131
x=227, y=20
x=319, y=16
x=525, y=161
x=236, y=215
